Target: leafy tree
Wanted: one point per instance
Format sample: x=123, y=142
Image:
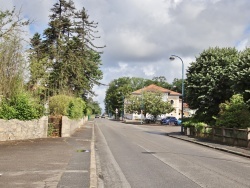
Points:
x=240, y=75
x=93, y=106
x=11, y=23
x=149, y=102
x=234, y=113
x=12, y=62
x=118, y=90
x=39, y=62
x=177, y=85
x=161, y=81
x=69, y=61
x=114, y=95
x=209, y=83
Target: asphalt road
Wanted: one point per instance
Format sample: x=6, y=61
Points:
x=143, y=156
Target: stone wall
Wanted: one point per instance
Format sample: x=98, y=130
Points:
x=69, y=126
x=21, y=130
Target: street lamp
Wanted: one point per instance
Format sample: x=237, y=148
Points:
x=172, y=57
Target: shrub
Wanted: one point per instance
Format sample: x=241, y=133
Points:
x=7, y=111
x=67, y=106
x=188, y=122
x=76, y=108
x=21, y=106
x=199, y=127
x=59, y=104
x=234, y=113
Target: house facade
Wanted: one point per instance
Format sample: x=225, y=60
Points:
x=168, y=95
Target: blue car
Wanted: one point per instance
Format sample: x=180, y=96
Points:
x=170, y=120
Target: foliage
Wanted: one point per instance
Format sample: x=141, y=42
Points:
x=88, y=111
x=21, y=107
x=67, y=106
x=149, y=102
x=240, y=75
x=65, y=58
x=93, y=106
x=51, y=129
x=119, y=89
x=198, y=126
x=12, y=62
x=234, y=113
x=59, y=104
x=10, y=22
x=177, y=85
x=209, y=83
x=160, y=81
x=76, y=108
x=189, y=122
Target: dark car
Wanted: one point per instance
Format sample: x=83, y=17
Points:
x=169, y=120
x=150, y=120
x=103, y=116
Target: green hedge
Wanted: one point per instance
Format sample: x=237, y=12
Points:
x=199, y=126
x=76, y=108
x=22, y=107
x=67, y=106
x=234, y=113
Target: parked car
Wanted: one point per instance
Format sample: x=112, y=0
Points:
x=97, y=116
x=169, y=120
x=150, y=120
x=103, y=116
x=179, y=121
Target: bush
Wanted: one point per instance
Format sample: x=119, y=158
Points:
x=188, y=122
x=76, y=108
x=59, y=104
x=22, y=107
x=67, y=106
x=199, y=127
x=7, y=111
x=234, y=113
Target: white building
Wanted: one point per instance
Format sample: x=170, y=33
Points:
x=168, y=95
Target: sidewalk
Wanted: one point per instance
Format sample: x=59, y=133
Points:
x=241, y=151
x=175, y=132
x=47, y=162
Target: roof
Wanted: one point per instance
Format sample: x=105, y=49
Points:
x=155, y=88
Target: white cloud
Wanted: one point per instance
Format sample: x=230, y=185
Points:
x=141, y=34
x=242, y=44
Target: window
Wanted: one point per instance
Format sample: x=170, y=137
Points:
x=171, y=102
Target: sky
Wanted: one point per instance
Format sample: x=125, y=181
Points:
x=141, y=35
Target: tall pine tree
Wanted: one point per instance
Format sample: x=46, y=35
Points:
x=68, y=42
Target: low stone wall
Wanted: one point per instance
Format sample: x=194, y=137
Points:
x=230, y=136
x=21, y=130
x=69, y=126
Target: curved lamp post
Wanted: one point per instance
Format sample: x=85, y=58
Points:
x=172, y=57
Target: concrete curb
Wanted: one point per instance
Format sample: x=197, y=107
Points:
x=211, y=146
x=93, y=174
